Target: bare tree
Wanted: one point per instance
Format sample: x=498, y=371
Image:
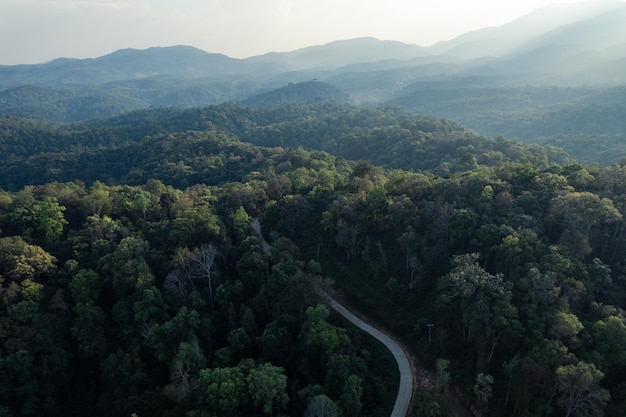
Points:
x=203, y=264
x=322, y=406
x=178, y=284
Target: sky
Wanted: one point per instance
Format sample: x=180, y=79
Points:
x=35, y=31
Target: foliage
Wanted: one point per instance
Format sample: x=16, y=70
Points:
x=107, y=150
x=139, y=285
x=585, y=121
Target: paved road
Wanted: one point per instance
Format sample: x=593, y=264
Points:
x=256, y=225
x=405, y=390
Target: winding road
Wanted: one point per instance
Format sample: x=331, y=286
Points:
x=405, y=389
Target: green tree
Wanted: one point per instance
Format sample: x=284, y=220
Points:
x=131, y=202
x=150, y=309
x=483, y=388
x=128, y=267
x=316, y=332
x=88, y=330
x=407, y=241
x=579, y=390
x=580, y=213
x=266, y=385
x=223, y=391
x=20, y=260
x=85, y=286
x=565, y=327
x=44, y=219
x=350, y=399
x=193, y=226
x=443, y=375
x=98, y=201
x=476, y=289
x=609, y=344
x=241, y=223
x=346, y=237
x=103, y=227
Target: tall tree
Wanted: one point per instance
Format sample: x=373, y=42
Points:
x=223, y=391
x=44, y=219
x=579, y=388
x=580, y=213
x=204, y=263
x=267, y=384
x=475, y=288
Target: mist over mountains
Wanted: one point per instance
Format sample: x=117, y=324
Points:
x=468, y=197
x=588, y=35
x=530, y=79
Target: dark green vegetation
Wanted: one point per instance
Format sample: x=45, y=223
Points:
x=118, y=299
x=589, y=123
x=213, y=144
x=132, y=282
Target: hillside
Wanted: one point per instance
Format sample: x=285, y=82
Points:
x=532, y=114
x=542, y=79
x=183, y=62
x=343, y=53
x=305, y=92
x=530, y=31
x=66, y=104
x=131, y=280
x=36, y=154
x=171, y=218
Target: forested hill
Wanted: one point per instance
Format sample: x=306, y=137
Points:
x=304, y=92
x=145, y=143
x=131, y=281
x=587, y=122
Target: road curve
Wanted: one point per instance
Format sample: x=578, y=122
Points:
x=405, y=389
x=256, y=225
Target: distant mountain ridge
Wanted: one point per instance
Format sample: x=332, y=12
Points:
x=343, y=53
x=474, y=79
x=185, y=62
x=513, y=37
x=576, y=33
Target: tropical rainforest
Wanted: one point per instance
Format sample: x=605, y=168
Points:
x=169, y=216
x=132, y=282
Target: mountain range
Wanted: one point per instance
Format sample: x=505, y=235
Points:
x=534, y=79
x=584, y=41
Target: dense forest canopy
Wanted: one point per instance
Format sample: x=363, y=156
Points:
x=588, y=122
x=173, y=145
x=131, y=280
x=468, y=198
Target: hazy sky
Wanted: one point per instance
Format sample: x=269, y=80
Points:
x=34, y=31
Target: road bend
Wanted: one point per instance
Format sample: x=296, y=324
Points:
x=405, y=389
